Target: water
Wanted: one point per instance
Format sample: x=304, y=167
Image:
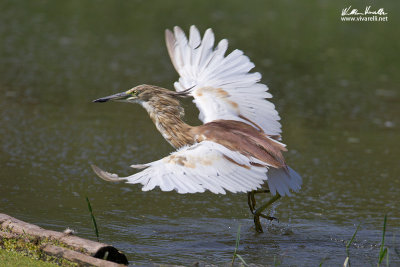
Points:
x=335, y=85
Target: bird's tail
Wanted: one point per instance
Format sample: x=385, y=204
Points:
x=283, y=180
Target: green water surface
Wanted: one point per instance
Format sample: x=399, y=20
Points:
x=335, y=85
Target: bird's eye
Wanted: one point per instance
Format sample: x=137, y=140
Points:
x=134, y=93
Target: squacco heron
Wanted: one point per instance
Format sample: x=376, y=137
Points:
x=237, y=149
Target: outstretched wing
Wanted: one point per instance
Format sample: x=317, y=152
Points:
x=203, y=166
x=221, y=85
x=207, y=166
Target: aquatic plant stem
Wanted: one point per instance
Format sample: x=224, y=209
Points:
x=96, y=230
x=236, y=248
x=383, y=251
x=347, y=260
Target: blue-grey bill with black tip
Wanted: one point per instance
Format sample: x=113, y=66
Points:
x=118, y=96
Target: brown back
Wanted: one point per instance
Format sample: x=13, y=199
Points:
x=241, y=137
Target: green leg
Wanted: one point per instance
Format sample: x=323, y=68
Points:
x=257, y=212
x=251, y=200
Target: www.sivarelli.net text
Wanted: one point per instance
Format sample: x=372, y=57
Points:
x=363, y=18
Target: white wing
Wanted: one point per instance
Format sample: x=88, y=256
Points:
x=206, y=166
x=222, y=87
x=203, y=166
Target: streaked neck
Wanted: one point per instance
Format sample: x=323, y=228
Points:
x=168, y=121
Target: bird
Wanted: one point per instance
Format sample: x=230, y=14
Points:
x=238, y=148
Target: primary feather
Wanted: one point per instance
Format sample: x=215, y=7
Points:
x=222, y=86
x=208, y=166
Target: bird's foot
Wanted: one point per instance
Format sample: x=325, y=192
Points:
x=257, y=222
x=271, y=218
x=257, y=212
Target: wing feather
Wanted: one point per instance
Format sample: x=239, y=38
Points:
x=236, y=93
x=194, y=38
x=197, y=168
x=205, y=166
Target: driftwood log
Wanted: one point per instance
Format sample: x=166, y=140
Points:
x=75, y=249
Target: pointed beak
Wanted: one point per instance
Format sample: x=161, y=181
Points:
x=119, y=96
